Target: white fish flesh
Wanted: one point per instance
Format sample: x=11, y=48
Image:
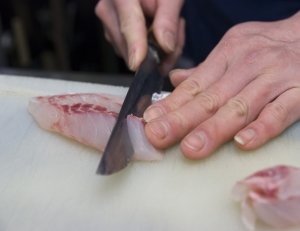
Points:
x=90, y=118
x=272, y=196
x=142, y=148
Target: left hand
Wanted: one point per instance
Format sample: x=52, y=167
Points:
x=247, y=88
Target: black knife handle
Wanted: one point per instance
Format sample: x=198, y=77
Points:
x=154, y=47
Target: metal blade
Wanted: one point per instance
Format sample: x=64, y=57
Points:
x=147, y=81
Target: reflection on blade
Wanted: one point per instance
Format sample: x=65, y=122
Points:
x=147, y=81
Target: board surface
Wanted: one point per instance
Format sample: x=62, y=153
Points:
x=48, y=182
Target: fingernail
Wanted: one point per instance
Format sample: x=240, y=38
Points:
x=169, y=40
x=132, y=62
x=159, y=128
x=152, y=113
x=195, y=141
x=244, y=137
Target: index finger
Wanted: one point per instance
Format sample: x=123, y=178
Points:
x=133, y=27
x=165, y=24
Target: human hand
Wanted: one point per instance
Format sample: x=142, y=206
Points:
x=247, y=88
x=125, y=28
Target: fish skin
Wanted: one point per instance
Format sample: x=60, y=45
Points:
x=89, y=118
x=271, y=195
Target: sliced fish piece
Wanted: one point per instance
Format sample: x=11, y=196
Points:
x=143, y=149
x=89, y=119
x=271, y=195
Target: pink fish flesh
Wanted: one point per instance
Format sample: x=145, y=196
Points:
x=271, y=195
x=90, y=118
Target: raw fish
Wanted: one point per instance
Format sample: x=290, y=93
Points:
x=271, y=195
x=90, y=118
x=142, y=147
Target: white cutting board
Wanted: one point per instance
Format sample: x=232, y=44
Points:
x=48, y=182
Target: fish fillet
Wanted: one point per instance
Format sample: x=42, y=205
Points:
x=90, y=118
x=271, y=195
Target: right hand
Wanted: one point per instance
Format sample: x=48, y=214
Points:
x=125, y=28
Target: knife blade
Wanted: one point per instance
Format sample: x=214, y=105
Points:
x=147, y=81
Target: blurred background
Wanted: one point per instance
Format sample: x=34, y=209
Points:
x=60, y=39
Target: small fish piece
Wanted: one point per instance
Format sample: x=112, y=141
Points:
x=142, y=148
x=271, y=195
x=89, y=118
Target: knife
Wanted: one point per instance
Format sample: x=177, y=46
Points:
x=147, y=81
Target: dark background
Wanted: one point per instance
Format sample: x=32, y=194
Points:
x=64, y=38
x=56, y=38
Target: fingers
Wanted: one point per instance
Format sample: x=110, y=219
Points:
x=170, y=60
x=125, y=28
x=177, y=76
x=106, y=11
x=165, y=24
x=179, y=122
x=201, y=79
x=133, y=28
x=240, y=111
x=167, y=28
x=236, y=114
x=218, y=113
x=227, y=92
x=196, y=99
x=273, y=120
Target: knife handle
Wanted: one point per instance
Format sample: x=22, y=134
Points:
x=154, y=47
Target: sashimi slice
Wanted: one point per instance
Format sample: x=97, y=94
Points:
x=271, y=195
x=89, y=119
x=142, y=148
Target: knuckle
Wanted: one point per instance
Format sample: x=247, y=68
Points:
x=171, y=104
x=239, y=107
x=251, y=56
x=178, y=120
x=125, y=23
x=191, y=87
x=226, y=48
x=278, y=111
x=209, y=102
x=128, y=20
x=169, y=23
